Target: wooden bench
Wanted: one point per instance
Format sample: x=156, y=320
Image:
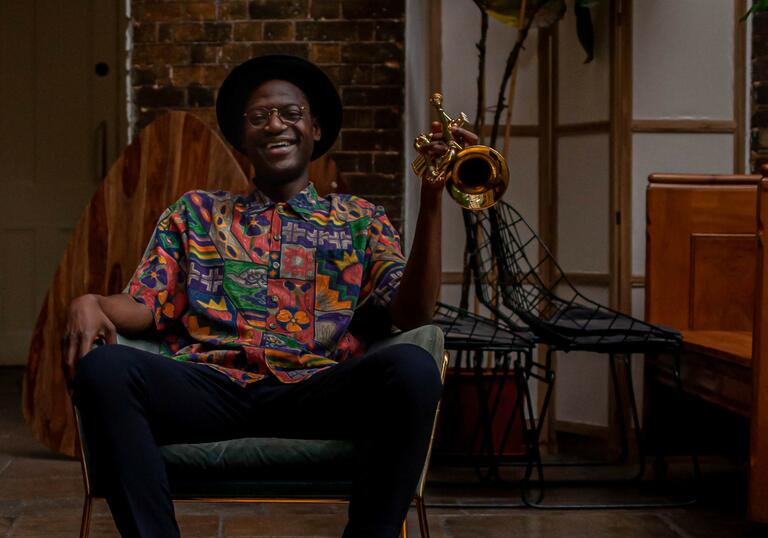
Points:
x=701, y=278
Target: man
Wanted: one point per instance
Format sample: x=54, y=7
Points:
x=254, y=297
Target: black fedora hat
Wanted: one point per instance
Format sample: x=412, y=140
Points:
x=324, y=101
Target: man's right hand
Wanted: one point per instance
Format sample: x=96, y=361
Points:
x=95, y=317
x=86, y=324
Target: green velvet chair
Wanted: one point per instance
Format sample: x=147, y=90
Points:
x=268, y=469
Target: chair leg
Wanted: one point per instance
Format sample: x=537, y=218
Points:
x=624, y=449
x=640, y=441
x=85, y=524
x=421, y=509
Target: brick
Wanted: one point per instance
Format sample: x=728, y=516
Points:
x=195, y=32
x=760, y=94
x=205, y=75
x=217, y=31
x=205, y=54
x=365, y=30
x=760, y=25
x=760, y=117
x=760, y=68
x=372, y=95
x=159, y=97
x=389, y=140
x=389, y=31
x=381, y=184
x=159, y=54
x=388, y=163
x=371, y=52
x=388, y=74
x=235, y=53
x=200, y=96
x=349, y=74
x=278, y=9
x=144, y=32
x=237, y=10
x=324, y=53
x=278, y=31
x=326, y=31
x=142, y=77
x=181, y=33
x=351, y=161
x=325, y=9
x=248, y=31
x=358, y=118
x=759, y=47
x=165, y=12
x=200, y=10
x=388, y=118
x=295, y=49
x=365, y=9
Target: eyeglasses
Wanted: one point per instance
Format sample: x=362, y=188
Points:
x=259, y=116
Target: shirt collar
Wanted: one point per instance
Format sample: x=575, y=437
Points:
x=304, y=203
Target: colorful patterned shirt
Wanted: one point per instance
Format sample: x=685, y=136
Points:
x=254, y=288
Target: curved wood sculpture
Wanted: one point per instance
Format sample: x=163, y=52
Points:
x=174, y=154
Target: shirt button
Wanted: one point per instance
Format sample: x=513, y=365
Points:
x=276, y=237
x=275, y=265
x=272, y=325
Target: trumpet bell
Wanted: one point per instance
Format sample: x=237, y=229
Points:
x=477, y=177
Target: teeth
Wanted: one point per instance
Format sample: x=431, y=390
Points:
x=278, y=144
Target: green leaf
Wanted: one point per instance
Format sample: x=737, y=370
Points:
x=585, y=31
x=757, y=6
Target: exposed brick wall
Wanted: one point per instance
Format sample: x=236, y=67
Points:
x=183, y=50
x=759, y=145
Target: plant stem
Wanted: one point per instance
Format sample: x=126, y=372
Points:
x=481, y=50
x=511, y=61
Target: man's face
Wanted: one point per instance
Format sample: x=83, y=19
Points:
x=279, y=150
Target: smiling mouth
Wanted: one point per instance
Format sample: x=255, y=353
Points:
x=280, y=144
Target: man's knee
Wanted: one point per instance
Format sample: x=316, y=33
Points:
x=413, y=369
x=102, y=367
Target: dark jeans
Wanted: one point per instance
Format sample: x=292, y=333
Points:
x=131, y=402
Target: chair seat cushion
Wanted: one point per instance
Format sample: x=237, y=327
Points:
x=261, y=459
x=254, y=468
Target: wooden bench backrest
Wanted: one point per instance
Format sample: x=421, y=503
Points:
x=701, y=251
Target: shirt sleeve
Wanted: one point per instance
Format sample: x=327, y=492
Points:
x=160, y=279
x=384, y=262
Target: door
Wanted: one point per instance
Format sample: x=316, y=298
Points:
x=62, y=120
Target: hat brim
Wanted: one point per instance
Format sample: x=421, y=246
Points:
x=324, y=100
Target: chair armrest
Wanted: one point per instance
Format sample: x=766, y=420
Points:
x=153, y=346
x=427, y=337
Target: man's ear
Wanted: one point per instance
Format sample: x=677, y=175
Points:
x=316, y=131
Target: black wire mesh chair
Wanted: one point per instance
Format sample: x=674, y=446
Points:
x=474, y=338
x=564, y=320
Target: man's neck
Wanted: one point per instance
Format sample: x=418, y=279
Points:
x=281, y=192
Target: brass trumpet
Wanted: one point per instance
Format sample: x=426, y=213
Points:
x=475, y=176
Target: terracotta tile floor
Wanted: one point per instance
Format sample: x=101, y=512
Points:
x=41, y=496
